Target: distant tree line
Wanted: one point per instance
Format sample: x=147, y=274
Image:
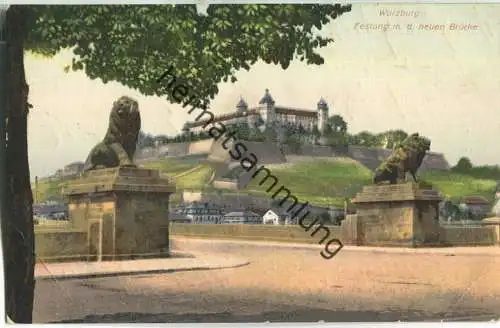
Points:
x=465, y=166
x=336, y=135
x=147, y=140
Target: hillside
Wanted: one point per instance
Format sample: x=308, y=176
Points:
x=48, y=189
x=189, y=172
x=198, y=177
x=320, y=181
x=330, y=181
x=174, y=165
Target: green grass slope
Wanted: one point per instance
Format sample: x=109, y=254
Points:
x=455, y=185
x=48, y=189
x=197, y=178
x=318, y=181
x=199, y=175
x=173, y=166
x=330, y=182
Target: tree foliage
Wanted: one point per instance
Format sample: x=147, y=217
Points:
x=134, y=45
x=145, y=140
x=336, y=125
x=335, y=133
x=393, y=138
x=464, y=165
x=366, y=139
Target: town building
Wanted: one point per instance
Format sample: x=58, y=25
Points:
x=496, y=206
x=70, y=170
x=73, y=168
x=177, y=215
x=275, y=217
x=478, y=206
x=242, y=217
x=50, y=211
x=271, y=218
x=201, y=213
x=266, y=113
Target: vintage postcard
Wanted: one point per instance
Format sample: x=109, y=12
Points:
x=250, y=163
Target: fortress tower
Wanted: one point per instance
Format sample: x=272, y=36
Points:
x=322, y=109
x=268, y=113
x=267, y=108
x=241, y=106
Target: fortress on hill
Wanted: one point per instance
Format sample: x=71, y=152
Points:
x=267, y=112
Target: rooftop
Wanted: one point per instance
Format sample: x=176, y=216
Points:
x=241, y=213
x=74, y=165
x=242, y=103
x=244, y=111
x=221, y=118
x=322, y=103
x=201, y=206
x=295, y=111
x=475, y=200
x=267, y=99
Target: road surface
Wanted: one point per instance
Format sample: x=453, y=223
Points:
x=282, y=284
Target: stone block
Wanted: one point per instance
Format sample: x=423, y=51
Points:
x=397, y=215
x=123, y=210
x=493, y=223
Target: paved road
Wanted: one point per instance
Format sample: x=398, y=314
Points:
x=284, y=284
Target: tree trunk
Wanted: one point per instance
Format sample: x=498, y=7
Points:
x=17, y=226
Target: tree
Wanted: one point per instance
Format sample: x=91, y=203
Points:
x=17, y=206
x=243, y=131
x=302, y=132
x=339, y=142
x=392, y=138
x=204, y=135
x=294, y=143
x=271, y=133
x=288, y=130
x=161, y=139
x=336, y=124
x=464, y=165
x=335, y=132
x=145, y=140
x=316, y=134
x=256, y=135
x=366, y=139
x=134, y=45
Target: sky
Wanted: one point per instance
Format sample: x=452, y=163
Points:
x=442, y=83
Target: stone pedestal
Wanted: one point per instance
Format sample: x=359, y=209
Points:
x=124, y=212
x=493, y=222
x=397, y=215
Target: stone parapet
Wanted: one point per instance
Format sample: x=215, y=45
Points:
x=120, y=179
x=494, y=223
x=123, y=210
x=396, y=192
x=397, y=215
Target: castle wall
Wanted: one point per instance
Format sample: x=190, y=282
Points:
x=271, y=153
x=201, y=146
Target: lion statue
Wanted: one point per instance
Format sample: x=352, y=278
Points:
x=407, y=157
x=119, y=144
